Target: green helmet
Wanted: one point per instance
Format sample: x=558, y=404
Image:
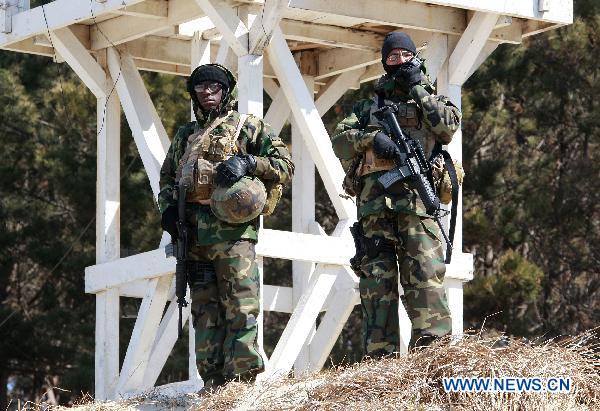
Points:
x=241, y=202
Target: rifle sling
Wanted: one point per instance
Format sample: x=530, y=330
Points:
x=453, y=211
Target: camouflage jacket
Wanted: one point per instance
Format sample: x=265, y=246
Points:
x=256, y=137
x=424, y=116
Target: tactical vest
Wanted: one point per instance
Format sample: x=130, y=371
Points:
x=204, y=152
x=409, y=118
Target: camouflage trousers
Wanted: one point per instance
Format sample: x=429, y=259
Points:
x=416, y=255
x=224, y=310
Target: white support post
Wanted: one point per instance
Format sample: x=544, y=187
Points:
x=310, y=124
x=147, y=129
x=250, y=84
x=303, y=214
x=108, y=233
x=470, y=45
x=143, y=336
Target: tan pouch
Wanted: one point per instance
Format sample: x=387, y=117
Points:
x=273, y=196
x=441, y=178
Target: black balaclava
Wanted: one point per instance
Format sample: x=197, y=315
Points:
x=395, y=40
x=208, y=72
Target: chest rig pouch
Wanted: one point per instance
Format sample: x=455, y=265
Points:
x=204, y=152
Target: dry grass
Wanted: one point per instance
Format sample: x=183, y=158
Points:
x=414, y=382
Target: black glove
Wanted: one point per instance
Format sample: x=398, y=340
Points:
x=409, y=73
x=168, y=221
x=234, y=168
x=384, y=146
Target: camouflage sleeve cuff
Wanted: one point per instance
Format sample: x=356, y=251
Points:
x=262, y=166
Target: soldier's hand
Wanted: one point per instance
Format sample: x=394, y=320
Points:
x=234, y=168
x=410, y=73
x=384, y=147
x=168, y=221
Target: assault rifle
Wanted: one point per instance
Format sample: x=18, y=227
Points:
x=412, y=167
x=179, y=249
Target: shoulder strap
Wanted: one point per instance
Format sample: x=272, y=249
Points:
x=453, y=211
x=197, y=142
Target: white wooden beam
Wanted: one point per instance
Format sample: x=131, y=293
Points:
x=106, y=363
x=469, y=46
x=558, y=11
x=436, y=54
x=200, y=51
x=108, y=234
x=80, y=60
x=303, y=214
x=160, y=49
x=59, y=13
x=153, y=9
x=123, y=29
x=407, y=14
x=143, y=335
x=310, y=123
x=337, y=61
x=373, y=72
x=332, y=323
x=277, y=298
x=278, y=112
x=250, y=84
x=336, y=88
x=230, y=26
x=300, y=323
x=262, y=28
x=307, y=247
x=328, y=35
x=487, y=50
x=147, y=129
x=166, y=337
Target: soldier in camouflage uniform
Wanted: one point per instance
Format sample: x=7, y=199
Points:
x=398, y=235
x=225, y=296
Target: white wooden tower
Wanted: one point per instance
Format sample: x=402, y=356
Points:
x=305, y=54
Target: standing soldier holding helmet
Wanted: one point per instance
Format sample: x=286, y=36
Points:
x=397, y=237
x=237, y=165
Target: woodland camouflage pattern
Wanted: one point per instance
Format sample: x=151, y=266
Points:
x=226, y=333
x=400, y=218
x=241, y=202
x=273, y=165
x=225, y=307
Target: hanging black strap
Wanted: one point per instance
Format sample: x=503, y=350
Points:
x=453, y=211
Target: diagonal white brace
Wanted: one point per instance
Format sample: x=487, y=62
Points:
x=147, y=129
x=300, y=323
x=262, y=28
x=310, y=124
x=143, y=335
x=469, y=46
x=80, y=60
x=231, y=27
